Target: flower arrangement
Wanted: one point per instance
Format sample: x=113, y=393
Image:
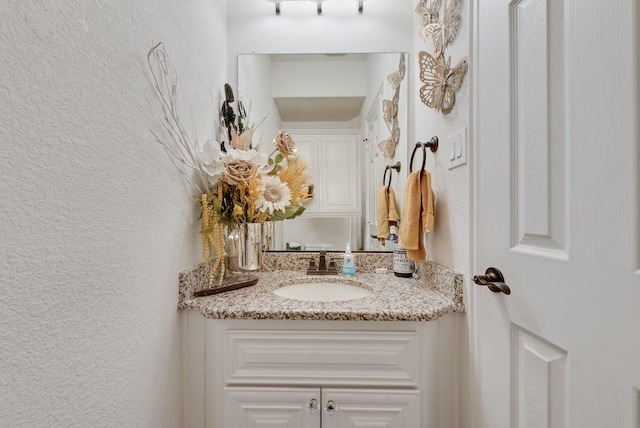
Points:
x=234, y=183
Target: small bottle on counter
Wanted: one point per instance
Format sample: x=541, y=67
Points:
x=392, y=240
x=348, y=264
x=402, y=266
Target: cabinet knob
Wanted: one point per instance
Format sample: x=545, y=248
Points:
x=312, y=406
x=330, y=408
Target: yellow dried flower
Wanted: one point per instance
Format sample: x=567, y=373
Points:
x=249, y=192
x=296, y=176
x=206, y=219
x=238, y=210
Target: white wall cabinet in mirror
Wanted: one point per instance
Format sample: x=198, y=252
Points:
x=327, y=102
x=337, y=182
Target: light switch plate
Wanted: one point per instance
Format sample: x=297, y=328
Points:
x=458, y=148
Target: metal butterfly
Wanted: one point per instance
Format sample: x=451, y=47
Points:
x=442, y=33
x=396, y=77
x=389, y=110
x=441, y=82
x=388, y=145
x=429, y=11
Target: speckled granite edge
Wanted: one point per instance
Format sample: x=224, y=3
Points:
x=432, y=275
x=392, y=299
x=446, y=280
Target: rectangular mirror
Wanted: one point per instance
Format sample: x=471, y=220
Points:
x=332, y=105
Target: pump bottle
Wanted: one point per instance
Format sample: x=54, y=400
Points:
x=348, y=264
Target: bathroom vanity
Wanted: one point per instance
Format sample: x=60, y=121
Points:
x=255, y=359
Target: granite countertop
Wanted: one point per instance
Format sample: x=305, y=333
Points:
x=437, y=292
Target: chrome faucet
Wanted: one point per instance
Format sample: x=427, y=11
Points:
x=321, y=267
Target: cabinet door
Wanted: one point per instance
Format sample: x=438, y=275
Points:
x=359, y=408
x=340, y=191
x=247, y=407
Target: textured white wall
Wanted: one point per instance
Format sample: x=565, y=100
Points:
x=449, y=241
x=94, y=221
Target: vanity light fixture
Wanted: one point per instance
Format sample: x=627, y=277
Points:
x=277, y=2
x=318, y=2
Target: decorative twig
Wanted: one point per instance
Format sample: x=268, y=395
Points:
x=164, y=82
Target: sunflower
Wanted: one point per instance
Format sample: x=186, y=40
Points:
x=274, y=195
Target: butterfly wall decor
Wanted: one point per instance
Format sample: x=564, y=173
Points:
x=441, y=33
x=388, y=145
x=429, y=11
x=395, y=77
x=390, y=111
x=441, y=81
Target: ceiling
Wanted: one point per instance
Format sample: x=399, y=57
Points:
x=329, y=109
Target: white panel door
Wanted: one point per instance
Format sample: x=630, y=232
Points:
x=556, y=209
x=361, y=408
x=271, y=407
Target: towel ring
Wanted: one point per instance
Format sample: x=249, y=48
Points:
x=432, y=144
x=389, y=168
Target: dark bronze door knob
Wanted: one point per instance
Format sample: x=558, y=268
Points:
x=494, y=280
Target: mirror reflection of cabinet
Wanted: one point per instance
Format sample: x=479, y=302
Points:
x=337, y=184
x=332, y=217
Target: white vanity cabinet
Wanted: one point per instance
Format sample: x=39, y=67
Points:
x=247, y=407
x=269, y=407
x=311, y=374
x=337, y=183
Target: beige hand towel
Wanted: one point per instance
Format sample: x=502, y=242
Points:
x=417, y=215
x=387, y=211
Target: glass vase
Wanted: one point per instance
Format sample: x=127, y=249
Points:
x=250, y=254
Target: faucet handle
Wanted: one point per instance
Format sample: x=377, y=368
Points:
x=312, y=262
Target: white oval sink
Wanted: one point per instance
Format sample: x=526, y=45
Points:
x=322, y=291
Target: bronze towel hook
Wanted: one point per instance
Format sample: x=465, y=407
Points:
x=389, y=168
x=432, y=144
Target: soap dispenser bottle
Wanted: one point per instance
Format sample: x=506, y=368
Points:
x=348, y=264
x=392, y=240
